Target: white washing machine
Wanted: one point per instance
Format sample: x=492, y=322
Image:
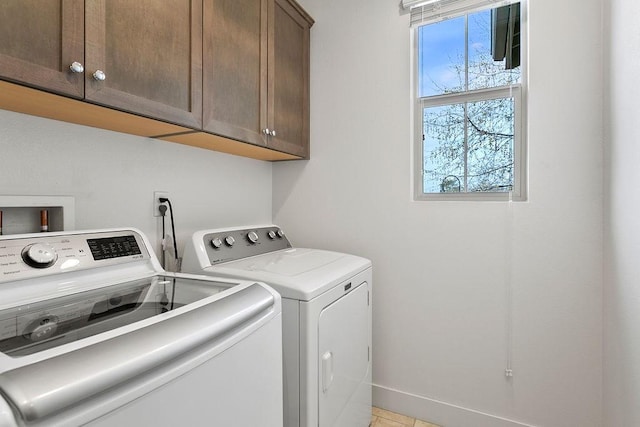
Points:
x=326, y=306
x=94, y=332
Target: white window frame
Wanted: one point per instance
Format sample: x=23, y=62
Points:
x=517, y=92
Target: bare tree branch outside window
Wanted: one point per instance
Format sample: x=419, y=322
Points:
x=468, y=144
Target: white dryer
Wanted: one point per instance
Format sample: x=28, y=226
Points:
x=326, y=308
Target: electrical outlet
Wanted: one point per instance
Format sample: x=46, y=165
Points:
x=156, y=201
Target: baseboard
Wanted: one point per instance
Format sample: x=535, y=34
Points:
x=437, y=412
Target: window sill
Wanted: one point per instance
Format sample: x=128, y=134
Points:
x=469, y=197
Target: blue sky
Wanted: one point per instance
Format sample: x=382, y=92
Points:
x=443, y=44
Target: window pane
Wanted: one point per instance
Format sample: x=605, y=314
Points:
x=490, y=133
x=468, y=137
x=441, y=57
x=443, y=149
x=484, y=72
x=443, y=53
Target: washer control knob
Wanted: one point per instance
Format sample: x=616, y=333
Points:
x=229, y=240
x=39, y=255
x=271, y=234
x=216, y=243
x=280, y=233
x=252, y=236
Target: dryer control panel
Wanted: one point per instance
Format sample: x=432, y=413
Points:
x=230, y=245
x=35, y=255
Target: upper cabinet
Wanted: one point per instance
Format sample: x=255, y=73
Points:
x=144, y=56
x=235, y=69
x=40, y=40
x=217, y=74
x=256, y=73
x=288, y=98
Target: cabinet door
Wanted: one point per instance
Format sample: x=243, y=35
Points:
x=151, y=55
x=39, y=40
x=289, y=78
x=234, y=69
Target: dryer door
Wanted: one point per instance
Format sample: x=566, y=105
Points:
x=344, y=361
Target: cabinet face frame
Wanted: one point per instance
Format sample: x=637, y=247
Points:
x=61, y=79
x=101, y=92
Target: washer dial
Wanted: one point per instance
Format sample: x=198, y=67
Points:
x=271, y=234
x=39, y=255
x=229, y=240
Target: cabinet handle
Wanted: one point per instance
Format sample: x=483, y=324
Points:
x=266, y=131
x=273, y=133
x=99, y=75
x=76, y=67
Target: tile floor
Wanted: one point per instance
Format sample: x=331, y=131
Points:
x=382, y=418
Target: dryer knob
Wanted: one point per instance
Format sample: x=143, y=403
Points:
x=229, y=240
x=39, y=255
x=280, y=233
x=252, y=236
x=271, y=234
x=216, y=243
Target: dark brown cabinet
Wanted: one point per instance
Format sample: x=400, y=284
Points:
x=288, y=111
x=234, y=69
x=228, y=75
x=256, y=73
x=144, y=56
x=42, y=58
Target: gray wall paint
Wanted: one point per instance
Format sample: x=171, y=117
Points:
x=112, y=177
x=442, y=270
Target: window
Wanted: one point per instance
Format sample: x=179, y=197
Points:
x=469, y=105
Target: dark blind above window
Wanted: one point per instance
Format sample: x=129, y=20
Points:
x=505, y=35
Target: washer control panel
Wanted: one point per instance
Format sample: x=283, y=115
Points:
x=30, y=256
x=224, y=246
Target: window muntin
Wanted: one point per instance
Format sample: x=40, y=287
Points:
x=469, y=112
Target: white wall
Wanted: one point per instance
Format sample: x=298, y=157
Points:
x=442, y=270
x=622, y=292
x=112, y=177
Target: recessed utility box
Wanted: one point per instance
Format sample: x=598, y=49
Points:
x=25, y=214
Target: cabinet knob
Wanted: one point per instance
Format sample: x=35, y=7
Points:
x=99, y=75
x=76, y=67
x=273, y=133
x=266, y=131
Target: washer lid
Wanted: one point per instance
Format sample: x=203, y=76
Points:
x=297, y=273
x=36, y=326
x=42, y=388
